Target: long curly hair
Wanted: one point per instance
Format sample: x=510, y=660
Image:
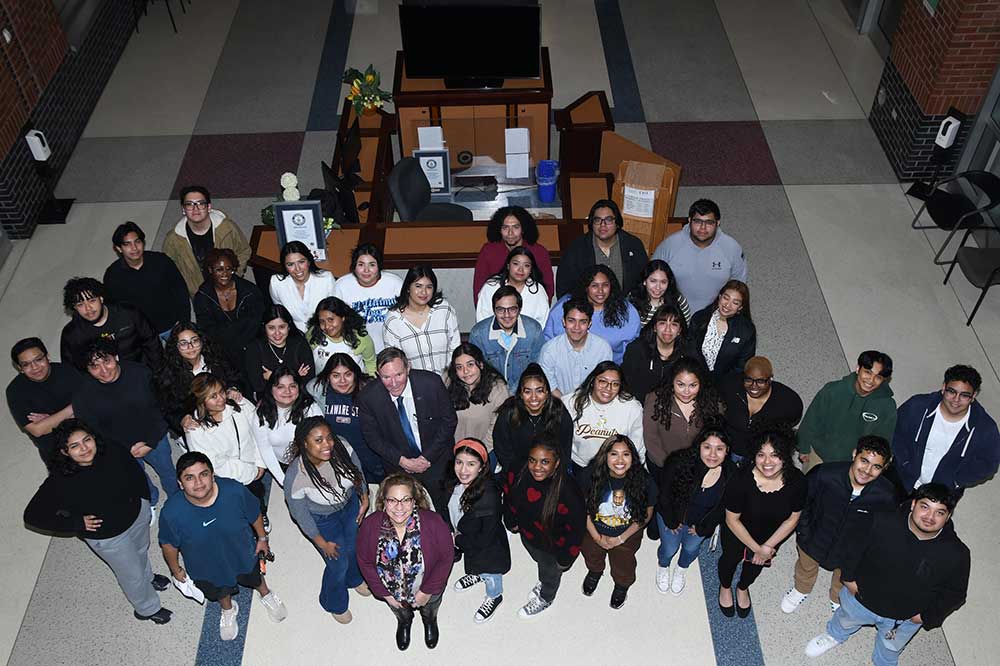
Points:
x=534, y=281
x=615, y=312
x=707, y=407
x=529, y=230
x=636, y=480
x=461, y=396
x=340, y=460
x=690, y=468
x=640, y=297
x=587, y=388
x=475, y=490
x=335, y=361
x=354, y=324
x=782, y=439
x=514, y=408
x=173, y=380
x=59, y=460
x=267, y=408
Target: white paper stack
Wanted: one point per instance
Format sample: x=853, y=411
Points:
x=518, y=147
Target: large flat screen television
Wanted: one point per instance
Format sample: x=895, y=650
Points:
x=471, y=46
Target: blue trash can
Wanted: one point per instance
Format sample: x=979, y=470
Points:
x=547, y=175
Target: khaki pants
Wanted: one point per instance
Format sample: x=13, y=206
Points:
x=806, y=571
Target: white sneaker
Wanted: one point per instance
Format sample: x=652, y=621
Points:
x=228, y=628
x=663, y=579
x=677, y=582
x=820, y=645
x=275, y=609
x=834, y=606
x=535, y=592
x=792, y=600
x=533, y=607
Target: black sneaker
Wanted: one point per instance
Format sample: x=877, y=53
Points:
x=160, y=583
x=618, y=596
x=161, y=616
x=467, y=581
x=590, y=583
x=487, y=609
x=458, y=555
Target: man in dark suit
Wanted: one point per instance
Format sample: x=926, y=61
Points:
x=408, y=420
x=606, y=243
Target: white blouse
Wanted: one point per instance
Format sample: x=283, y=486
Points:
x=230, y=445
x=284, y=292
x=273, y=442
x=534, y=301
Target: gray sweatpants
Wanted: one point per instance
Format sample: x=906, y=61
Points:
x=128, y=556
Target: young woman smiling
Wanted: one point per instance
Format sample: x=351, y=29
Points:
x=520, y=272
x=725, y=332
x=301, y=285
x=477, y=390
x=422, y=323
x=335, y=327
x=280, y=344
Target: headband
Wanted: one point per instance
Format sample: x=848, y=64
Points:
x=473, y=444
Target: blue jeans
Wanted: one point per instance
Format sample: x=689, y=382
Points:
x=494, y=584
x=852, y=615
x=161, y=461
x=688, y=544
x=341, y=528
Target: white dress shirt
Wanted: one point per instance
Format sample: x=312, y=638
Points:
x=284, y=292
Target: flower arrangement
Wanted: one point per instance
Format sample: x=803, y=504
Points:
x=365, y=93
x=290, y=192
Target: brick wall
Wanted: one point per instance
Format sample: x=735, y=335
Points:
x=65, y=96
x=938, y=61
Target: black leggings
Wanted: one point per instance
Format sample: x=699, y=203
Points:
x=732, y=555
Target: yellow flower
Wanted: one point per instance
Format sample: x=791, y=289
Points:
x=369, y=78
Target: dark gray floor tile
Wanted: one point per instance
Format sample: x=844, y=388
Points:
x=267, y=71
x=827, y=152
x=123, y=169
x=683, y=62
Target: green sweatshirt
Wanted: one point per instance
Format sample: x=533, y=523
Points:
x=838, y=417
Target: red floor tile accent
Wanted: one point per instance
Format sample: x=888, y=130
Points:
x=716, y=153
x=239, y=165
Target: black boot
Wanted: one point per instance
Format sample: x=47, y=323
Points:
x=403, y=624
x=430, y=632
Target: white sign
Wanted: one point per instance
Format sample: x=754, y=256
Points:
x=434, y=170
x=639, y=203
x=300, y=226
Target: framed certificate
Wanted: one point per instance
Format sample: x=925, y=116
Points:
x=301, y=221
x=435, y=165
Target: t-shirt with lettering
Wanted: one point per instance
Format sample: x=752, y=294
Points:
x=215, y=541
x=615, y=513
x=598, y=422
x=370, y=302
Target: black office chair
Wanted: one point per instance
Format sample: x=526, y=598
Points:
x=411, y=194
x=981, y=267
x=952, y=210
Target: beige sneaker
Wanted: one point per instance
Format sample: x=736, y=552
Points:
x=228, y=627
x=343, y=618
x=363, y=590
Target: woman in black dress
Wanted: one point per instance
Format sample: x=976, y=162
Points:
x=279, y=343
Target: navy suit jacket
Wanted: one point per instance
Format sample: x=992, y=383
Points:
x=436, y=421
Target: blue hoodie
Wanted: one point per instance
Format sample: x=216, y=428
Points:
x=974, y=456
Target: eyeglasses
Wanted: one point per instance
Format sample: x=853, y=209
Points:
x=608, y=383
x=964, y=395
x=403, y=501
x=760, y=381
x=500, y=310
x=38, y=360
x=200, y=203
x=704, y=223
x=605, y=221
x=188, y=344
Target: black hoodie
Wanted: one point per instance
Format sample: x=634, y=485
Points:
x=899, y=576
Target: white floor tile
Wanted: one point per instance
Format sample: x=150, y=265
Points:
x=788, y=67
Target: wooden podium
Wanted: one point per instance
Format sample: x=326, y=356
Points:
x=473, y=120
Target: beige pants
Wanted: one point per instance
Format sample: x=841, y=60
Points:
x=806, y=571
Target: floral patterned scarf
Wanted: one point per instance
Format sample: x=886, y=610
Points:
x=400, y=563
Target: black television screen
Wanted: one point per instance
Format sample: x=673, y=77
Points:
x=471, y=41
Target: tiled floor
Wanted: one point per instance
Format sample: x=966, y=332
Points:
x=763, y=102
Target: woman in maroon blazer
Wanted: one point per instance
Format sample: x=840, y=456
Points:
x=403, y=542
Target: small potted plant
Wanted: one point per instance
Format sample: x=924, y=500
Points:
x=365, y=94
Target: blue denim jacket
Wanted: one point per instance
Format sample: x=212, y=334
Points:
x=510, y=364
